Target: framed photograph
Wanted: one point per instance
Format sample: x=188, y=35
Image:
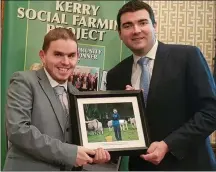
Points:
x=85, y=78
x=113, y=120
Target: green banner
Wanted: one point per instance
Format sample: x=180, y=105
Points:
x=26, y=23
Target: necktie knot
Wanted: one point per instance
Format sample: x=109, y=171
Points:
x=59, y=90
x=62, y=95
x=143, y=61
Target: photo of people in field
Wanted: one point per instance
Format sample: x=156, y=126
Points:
x=109, y=122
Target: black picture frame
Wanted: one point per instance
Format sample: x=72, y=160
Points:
x=80, y=123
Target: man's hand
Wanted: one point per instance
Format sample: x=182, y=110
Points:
x=128, y=87
x=101, y=156
x=156, y=152
x=83, y=157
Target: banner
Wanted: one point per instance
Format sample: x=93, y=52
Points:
x=26, y=23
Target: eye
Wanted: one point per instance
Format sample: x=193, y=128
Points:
x=57, y=54
x=72, y=55
x=143, y=23
x=127, y=26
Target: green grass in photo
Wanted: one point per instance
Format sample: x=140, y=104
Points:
x=127, y=135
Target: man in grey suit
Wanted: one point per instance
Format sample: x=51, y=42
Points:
x=37, y=120
x=179, y=93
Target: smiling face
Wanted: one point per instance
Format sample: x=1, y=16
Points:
x=137, y=31
x=60, y=59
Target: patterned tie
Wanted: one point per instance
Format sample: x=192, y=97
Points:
x=62, y=95
x=145, y=75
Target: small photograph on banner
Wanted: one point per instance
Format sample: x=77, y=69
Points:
x=85, y=78
x=103, y=81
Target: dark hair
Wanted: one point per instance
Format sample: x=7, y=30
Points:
x=132, y=6
x=56, y=34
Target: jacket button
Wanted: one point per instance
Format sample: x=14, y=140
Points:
x=67, y=129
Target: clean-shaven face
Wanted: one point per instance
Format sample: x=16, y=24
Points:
x=60, y=59
x=137, y=31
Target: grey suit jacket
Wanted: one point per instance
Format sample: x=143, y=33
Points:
x=35, y=124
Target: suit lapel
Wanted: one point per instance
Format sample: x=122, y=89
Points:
x=159, y=64
x=127, y=71
x=54, y=101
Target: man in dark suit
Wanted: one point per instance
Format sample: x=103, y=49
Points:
x=37, y=117
x=179, y=92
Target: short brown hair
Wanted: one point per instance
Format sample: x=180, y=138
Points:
x=133, y=6
x=56, y=34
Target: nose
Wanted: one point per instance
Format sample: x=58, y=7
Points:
x=136, y=29
x=65, y=60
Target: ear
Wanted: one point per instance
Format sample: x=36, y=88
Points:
x=155, y=27
x=119, y=32
x=78, y=54
x=78, y=57
x=42, y=56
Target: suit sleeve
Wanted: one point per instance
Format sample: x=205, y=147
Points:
x=201, y=93
x=111, y=81
x=108, y=81
x=24, y=135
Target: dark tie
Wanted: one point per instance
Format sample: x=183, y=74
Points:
x=145, y=76
x=62, y=95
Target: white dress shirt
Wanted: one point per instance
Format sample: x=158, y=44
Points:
x=136, y=69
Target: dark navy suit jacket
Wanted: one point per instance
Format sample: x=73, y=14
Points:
x=181, y=107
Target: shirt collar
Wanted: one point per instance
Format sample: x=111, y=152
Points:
x=54, y=83
x=151, y=54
